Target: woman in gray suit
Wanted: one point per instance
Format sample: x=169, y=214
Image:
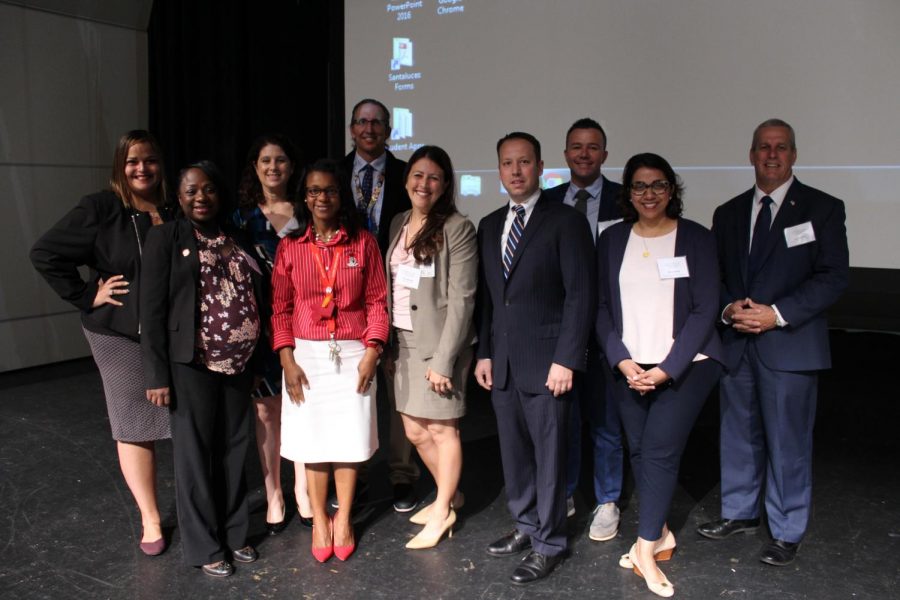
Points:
x=432, y=264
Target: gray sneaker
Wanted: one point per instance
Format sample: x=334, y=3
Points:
x=605, y=524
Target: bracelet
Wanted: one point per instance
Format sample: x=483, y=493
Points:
x=375, y=345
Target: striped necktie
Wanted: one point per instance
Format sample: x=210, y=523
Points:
x=512, y=240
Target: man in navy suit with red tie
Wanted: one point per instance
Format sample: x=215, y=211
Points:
x=784, y=260
x=537, y=304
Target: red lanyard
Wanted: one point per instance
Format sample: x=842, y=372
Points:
x=328, y=278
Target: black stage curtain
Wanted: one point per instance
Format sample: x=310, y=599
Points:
x=222, y=73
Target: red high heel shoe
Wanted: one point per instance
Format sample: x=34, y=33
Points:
x=323, y=553
x=343, y=552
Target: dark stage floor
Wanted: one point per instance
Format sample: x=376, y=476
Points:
x=69, y=528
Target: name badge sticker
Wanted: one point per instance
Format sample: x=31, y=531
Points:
x=426, y=270
x=799, y=234
x=408, y=276
x=673, y=268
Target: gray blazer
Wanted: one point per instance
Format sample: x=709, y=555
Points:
x=442, y=306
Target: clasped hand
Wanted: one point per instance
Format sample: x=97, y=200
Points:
x=640, y=380
x=747, y=316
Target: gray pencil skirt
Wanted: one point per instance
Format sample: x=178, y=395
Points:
x=413, y=392
x=132, y=417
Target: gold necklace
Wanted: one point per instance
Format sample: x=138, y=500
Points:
x=323, y=238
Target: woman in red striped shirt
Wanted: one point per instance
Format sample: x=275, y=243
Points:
x=329, y=324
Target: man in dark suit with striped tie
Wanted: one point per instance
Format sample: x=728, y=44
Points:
x=537, y=296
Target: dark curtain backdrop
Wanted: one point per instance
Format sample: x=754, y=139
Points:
x=222, y=73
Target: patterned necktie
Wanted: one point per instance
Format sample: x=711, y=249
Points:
x=760, y=233
x=581, y=198
x=512, y=240
x=366, y=189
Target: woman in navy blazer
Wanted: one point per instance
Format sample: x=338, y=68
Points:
x=658, y=298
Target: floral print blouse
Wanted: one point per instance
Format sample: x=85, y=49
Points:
x=228, y=315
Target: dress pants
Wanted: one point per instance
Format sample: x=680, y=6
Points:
x=767, y=430
x=657, y=426
x=533, y=429
x=210, y=437
x=592, y=401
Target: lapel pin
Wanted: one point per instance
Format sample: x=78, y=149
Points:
x=185, y=253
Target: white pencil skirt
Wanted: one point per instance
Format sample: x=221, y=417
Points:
x=334, y=423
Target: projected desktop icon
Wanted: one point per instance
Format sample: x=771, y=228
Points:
x=403, y=124
x=403, y=54
x=470, y=185
x=552, y=178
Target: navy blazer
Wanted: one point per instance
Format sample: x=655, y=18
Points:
x=170, y=278
x=696, y=297
x=542, y=314
x=395, y=199
x=609, y=198
x=802, y=281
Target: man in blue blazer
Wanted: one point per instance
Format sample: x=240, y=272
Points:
x=597, y=198
x=784, y=260
x=537, y=296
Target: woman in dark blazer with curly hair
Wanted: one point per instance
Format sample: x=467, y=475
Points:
x=658, y=302
x=265, y=213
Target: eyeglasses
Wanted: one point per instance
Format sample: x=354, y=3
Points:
x=331, y=192
x=660, y=186
x=375, y=123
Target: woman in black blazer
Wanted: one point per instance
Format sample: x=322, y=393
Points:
x=658, y=301
x=201, y=302
x=106, y=232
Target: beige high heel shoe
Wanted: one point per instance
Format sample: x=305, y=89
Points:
x=662, y=588
x=421, y=516
x=665, y=552
x=423, y=541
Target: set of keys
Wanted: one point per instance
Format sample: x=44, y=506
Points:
x=334, y=351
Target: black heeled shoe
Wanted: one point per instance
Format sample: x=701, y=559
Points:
x=276, y=528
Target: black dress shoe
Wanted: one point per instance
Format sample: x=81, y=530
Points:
x=404, y=498
x=535, y=566
x=779, y=553
x=510, y=544
x=247, y=554
x=721, y=529
x=222, y=568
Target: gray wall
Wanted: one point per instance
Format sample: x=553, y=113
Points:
x=73, y=78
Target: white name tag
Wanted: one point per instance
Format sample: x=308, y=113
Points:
x=672, y=268
x=799, y=234
x=426, y=270
x=601, y=225
x=408, y=276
